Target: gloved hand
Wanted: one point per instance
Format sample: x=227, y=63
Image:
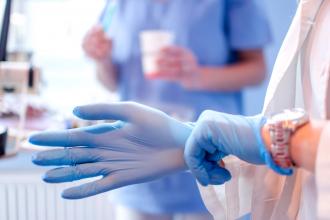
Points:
x=216, y=135
x=142, y=145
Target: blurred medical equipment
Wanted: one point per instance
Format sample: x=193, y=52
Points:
x=5, y=20
x=3, y=140
x=5, y=12
x=19, y=75
x=19, y=79
x=146, y=144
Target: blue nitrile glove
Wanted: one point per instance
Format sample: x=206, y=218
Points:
x=142, y=145
x=216, y=135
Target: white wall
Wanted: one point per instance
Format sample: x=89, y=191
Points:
x=280, y=14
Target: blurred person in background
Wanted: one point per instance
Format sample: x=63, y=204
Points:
x=217, y=51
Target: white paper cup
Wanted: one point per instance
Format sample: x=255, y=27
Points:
x=151, y=43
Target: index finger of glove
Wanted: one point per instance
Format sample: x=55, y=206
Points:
x=123, y=111
x=72, y=137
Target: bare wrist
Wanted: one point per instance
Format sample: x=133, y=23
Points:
x=304, y=144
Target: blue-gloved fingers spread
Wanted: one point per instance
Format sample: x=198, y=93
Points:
x=72, y=173
x=143, y=144
x=89, y=189
x=67, y=156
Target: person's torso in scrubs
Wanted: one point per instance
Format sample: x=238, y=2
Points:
x=212, y=29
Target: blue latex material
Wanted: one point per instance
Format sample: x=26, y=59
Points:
x=142, y=145
x=216, y=135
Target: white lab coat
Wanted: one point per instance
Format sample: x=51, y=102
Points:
x=259, y=190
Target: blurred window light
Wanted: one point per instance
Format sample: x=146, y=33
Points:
x=53, y=30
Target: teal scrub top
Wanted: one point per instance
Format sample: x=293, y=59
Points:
x=213, y=30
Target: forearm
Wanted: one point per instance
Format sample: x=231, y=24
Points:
x=304, y=144
x=247, y=71
x=107, y=74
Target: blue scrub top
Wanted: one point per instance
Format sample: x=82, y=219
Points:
x=213, y=30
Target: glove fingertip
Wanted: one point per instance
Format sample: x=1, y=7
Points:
x=50, y=177
x=89, y=112
x=36, y=160
x=67, y=194
x=49, y=138
x=202, y=177
x=219, y=176
x=35, y=139
x=77, y=111
x=74, y=193
x=47, y=179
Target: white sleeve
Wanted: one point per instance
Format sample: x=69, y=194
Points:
x=323, y=174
